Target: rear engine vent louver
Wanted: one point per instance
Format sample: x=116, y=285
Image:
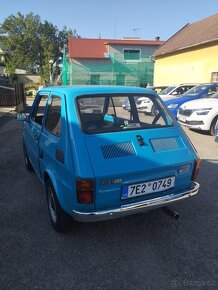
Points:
x=165, y=144
x=118, y=150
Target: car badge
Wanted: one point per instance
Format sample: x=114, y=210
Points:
x=111, y=181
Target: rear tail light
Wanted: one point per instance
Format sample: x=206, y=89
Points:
x=196, y=169
x=84, y=190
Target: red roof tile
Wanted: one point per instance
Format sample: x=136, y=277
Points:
x=96, y=48
x=86, y=48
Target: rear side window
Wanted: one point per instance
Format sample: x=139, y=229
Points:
x=53, y=118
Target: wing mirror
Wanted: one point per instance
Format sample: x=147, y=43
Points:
x=22, y=117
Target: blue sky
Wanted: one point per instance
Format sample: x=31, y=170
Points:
x=115, y=18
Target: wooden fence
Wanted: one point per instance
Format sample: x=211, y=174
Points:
x=12, y=96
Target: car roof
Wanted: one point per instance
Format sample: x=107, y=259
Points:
x=92, y=89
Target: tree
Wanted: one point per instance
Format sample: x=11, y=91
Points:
x=32, y=45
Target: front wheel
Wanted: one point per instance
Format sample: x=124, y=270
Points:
x=212, y=127
x=59, y=218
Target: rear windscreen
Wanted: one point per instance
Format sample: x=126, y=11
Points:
x=110, y=113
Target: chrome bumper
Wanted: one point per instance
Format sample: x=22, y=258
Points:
x=134, y=208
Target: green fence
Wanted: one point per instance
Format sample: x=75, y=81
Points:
x=115, y=69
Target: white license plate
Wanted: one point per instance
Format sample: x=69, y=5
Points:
x=182, y=119
x=139, y=189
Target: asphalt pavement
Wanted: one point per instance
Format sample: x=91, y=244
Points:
x=149, y=251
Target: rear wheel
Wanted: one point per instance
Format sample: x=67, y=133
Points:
x=212, y=127
x=59, y=218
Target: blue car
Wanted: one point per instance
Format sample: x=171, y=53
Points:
x=98, y=161
x=201, y=91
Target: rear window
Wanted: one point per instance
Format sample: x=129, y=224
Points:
x=103, y=114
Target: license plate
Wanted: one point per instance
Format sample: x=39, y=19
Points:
x=139, y=189
x=182, y=119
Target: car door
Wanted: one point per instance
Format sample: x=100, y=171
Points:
x=33, y=130
x=54, y=147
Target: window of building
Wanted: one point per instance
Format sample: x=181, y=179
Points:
x=132, y=54
x=120, y=80
x=214, y=77
x=95, y=79
x=53, y=118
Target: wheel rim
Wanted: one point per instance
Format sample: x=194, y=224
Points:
x=52, y=205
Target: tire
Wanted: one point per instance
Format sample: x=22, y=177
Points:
x=154, y=111
x=212, y=127
x=60, y=220
x=27, y=162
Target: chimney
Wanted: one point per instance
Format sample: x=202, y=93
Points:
x=157, y=38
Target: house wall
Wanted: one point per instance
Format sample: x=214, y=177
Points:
x=186, y=67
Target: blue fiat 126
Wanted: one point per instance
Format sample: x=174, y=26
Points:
x=98, y=161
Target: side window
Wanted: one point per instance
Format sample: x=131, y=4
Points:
x=53, y=118
x=212, y=91
x=178, y=91
x=39, y=110
x=214, y=77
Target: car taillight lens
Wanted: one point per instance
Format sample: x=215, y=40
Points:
x=84, y=190
x=196, y=169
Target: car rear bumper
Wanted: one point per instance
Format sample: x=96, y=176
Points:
x=134, y=208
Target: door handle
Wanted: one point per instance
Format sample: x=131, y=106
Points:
x=140, y=140
x=36, y=137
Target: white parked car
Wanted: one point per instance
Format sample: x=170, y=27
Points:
x=201, y=114
x=146, y=105
x=175, y=91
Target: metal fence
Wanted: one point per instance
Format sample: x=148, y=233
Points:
x=12, y=95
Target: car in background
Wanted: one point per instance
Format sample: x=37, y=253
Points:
x=126, y=105
x=145, y=105
x=200, y=114
x=98, y=161
x=175, y=91
x=157, y=89
x=201, y=91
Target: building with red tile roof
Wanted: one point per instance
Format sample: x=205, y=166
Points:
x=111, y=61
